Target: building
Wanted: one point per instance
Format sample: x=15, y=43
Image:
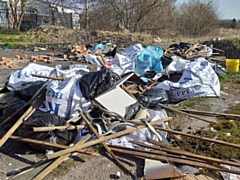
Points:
x=40, y=13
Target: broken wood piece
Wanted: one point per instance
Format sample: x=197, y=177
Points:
x=200, y=137
x=72, y=119
x=209, y=113
x=3, y=58
x=187, y=114
x=52, y=128
x=106, y=146
x=97, y=141
x=174, y=150
x=59, y=146
x=64, y=56
x=48, y=77
x=165, y=158
x=18, y=57
x=58, y=161
x=35, y=104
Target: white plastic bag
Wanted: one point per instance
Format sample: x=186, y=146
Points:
x=23, y=78
x=132, y=52
x=63, y=97
x=141, y=135
x=198, y=80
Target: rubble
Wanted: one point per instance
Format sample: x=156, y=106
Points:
x=121, y=103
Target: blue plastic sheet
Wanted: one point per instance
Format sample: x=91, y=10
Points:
x=149, y=60
x=101, y=46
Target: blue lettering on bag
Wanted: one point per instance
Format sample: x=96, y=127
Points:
x=56, y=108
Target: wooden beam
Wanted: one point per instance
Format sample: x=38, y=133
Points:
x=28, y=140
x=209, y=113
x=181, y=152
x=200, y=137
x=187, y=114
x=165, y=158
x=52, y=128
x=97, y=141
x=106, y=146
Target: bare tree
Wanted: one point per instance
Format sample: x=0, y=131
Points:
x=18, y=8
x=132, y=15
x=197, y=17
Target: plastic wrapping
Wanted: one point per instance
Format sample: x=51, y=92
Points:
x=42, y=119
x=152, y=97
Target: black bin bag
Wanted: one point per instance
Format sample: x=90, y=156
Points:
x=152, y=97
x=93, y=84
x=44, y=119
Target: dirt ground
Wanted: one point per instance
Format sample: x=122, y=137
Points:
x=14, y=156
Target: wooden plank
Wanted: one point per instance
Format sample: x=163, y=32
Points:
x=51, y=128
x=187, y=114
x=210, y=113
x=200, y=137
x=173, y=150
x=52, y=145
x=97, y=141
x=106, y=146
x=166, y=158
x=48, y=77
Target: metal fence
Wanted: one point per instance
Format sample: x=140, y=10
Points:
x=4, y=18
x=33, y=19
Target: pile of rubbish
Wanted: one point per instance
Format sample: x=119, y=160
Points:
x=52, y=34
x=121, y=103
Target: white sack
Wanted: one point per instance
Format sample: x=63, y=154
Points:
x=198, y=80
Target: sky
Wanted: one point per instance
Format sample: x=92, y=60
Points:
x=228, y=9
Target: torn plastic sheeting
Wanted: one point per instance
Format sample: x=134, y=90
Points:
x=9, y=104
x=100, y=46
x=149, y=60
x=198, y=80
x=21, y=79
x=29, y=92
x=132, y=52
x=142, y=134
x=123, y=62
x=230, y=176
x=41, y=119
x=93, y=60
x=152, y=97
x=93, y=84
